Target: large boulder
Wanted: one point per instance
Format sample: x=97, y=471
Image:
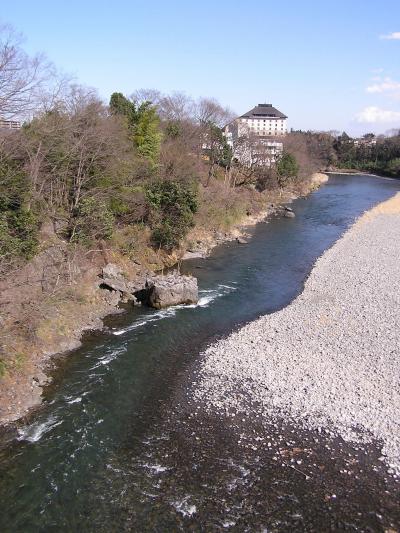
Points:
x=164, y=291
x=194, y=254
x=112, y=279
x=289, y=214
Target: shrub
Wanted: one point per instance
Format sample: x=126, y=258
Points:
x=287, y=168
x=394, y=167
x=128, y=205
x=93, y=220
x=172, y=206
x=18, y=225
x=18, y=234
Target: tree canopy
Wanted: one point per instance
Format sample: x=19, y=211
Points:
x=143, y=125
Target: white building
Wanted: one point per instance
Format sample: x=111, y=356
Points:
x=264, y=121
x=255, y=136
x=9, y=124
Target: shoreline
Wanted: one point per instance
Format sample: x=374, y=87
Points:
x=237, y=231
x=351, y=172
x=329, y=358
x=21, y=394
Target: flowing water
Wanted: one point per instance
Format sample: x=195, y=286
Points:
x=116, y=446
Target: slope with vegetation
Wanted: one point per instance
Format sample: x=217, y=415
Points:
x=377, y=154
x=84, y=183
x=380, y=155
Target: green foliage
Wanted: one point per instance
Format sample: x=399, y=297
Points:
x=18, y=225
x=9, y=244
x=287, y=168
x=13, y=185
x=218, y=150
x=3, y=368
x=393, y=167
x=25, y=226
x=128, y=204
x=16, y=362
x=120, y=105
x=143, y=125
x=147, y=133
x=93, y=220
x=173, y=129
x=172, y=206
x=118, y=206
x=381, y=156
x=18, y=234
x=166, y=194
x=225, y=158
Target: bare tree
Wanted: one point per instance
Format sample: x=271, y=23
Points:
x=176, y=107
x=140, y=96
x=69, y=153
x=21, y=76
x=210, y=111
x=312, y=151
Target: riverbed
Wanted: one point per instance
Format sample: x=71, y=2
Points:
x=117, y=447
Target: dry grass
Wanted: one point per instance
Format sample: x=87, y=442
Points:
x=222, y=207
x=46, y=305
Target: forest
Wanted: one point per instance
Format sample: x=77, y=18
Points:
x=149, y=163
x=100, y=171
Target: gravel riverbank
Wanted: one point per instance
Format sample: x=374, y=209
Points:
x=332, y=358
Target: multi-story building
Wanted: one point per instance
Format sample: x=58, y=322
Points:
x=258, y=130
x=264, y=121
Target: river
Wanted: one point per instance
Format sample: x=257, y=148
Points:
x=115, y=446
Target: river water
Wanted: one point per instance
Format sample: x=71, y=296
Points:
x=116, y=446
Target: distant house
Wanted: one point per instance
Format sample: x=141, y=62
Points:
x=258, y=131
x=9, y=124
x=366, y=140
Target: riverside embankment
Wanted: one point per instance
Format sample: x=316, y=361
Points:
x=117, y=446
x=332, y=357
x=48, y=305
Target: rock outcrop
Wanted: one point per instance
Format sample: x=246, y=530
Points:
x=288, y=212
x=164, y=291
x=113, y=279
x=318, y=178
x=194, y=254
x=157, y=291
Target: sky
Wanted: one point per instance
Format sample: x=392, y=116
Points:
x=327, y=65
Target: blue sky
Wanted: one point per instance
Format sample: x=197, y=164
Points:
x=327, y=65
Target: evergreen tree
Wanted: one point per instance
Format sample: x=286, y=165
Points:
x=143, y=125
x=147, y=136
x=120, y=105
x=287, y=168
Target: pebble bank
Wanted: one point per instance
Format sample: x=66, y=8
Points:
x=330, y=359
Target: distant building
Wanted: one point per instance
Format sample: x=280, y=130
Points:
x=258, y=131
x=367, y=140
x=9, y=124
x=263, y=120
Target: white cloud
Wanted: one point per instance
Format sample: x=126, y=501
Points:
x=383, y=85
x=395, y=36
x=374, y=115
